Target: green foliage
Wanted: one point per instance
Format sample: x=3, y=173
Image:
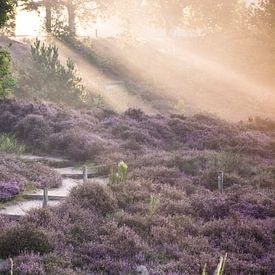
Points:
x=6, y=8
x=9, y=144
x=59, y=83
x=119, y=175
x=123, y=170
x=6, y=80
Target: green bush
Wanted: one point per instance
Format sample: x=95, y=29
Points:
x=6, y=9
x=19, y=238
x=9, y=144
x=57, y=82
x=6, y=80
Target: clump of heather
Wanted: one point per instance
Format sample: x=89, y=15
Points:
x=25, y=264
x=94, y=196
x=19, y=238
x=8, y=190
x=16, y=174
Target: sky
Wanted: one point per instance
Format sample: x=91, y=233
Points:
x=30, y=24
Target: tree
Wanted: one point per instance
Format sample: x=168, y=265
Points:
x=6, y=80
x=34, y=5
x=6, y=9
x=195, y=14
x=83, y=10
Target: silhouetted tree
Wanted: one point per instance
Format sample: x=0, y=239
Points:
x=6, y=9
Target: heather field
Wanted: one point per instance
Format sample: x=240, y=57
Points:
x=167, y=215
x=137, y=137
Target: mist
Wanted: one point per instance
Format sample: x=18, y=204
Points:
x=163, y=61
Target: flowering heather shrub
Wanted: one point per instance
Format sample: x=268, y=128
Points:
x=15, y=174
x=106, y=229
x=94, y=196
x=161, y=174
x=56, y=264
x=8, y=190
x=4, y=221
x=19, y=238
x=79, y=144
x=25, y=264
x=34, y=130
x=245, y=240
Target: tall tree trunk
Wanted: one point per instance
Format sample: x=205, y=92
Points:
x=48, y=17
x=71, y=18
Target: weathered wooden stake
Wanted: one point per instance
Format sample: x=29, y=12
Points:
x=220, y=181
x=85, y=174
x=45, y=197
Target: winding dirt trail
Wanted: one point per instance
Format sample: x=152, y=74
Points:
x=33, y=200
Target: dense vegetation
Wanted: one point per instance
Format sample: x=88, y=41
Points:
x=163, y=209
x=168, y=215
x=17, y=175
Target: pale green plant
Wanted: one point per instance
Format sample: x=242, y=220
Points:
x=123, y=171
x=220, y=268
x=11, y=266
x=9, y=144
x=153, y=204
x=120, y=174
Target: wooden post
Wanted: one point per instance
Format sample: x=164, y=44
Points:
x=85, y=174
x=45, y=197
x=220, y=181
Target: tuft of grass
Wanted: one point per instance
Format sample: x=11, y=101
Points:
x=220, y=268
x=11, y=266
x=153, y=205
x=9, y=144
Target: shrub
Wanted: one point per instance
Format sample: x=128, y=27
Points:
x=24, y=264
x=7, y=82
x=21, y=238
x=34, y=130
x=8, y=190
x=78, y=144
x=54, y=262
x=94, y=196
x=56, y=76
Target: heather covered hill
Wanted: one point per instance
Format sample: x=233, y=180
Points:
x=168, y=214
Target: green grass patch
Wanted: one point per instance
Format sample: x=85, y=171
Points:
x=9, y=144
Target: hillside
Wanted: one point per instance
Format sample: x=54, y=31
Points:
x=158, y=81
x=168, y=216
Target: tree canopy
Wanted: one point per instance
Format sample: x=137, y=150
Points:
x=6, y=8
